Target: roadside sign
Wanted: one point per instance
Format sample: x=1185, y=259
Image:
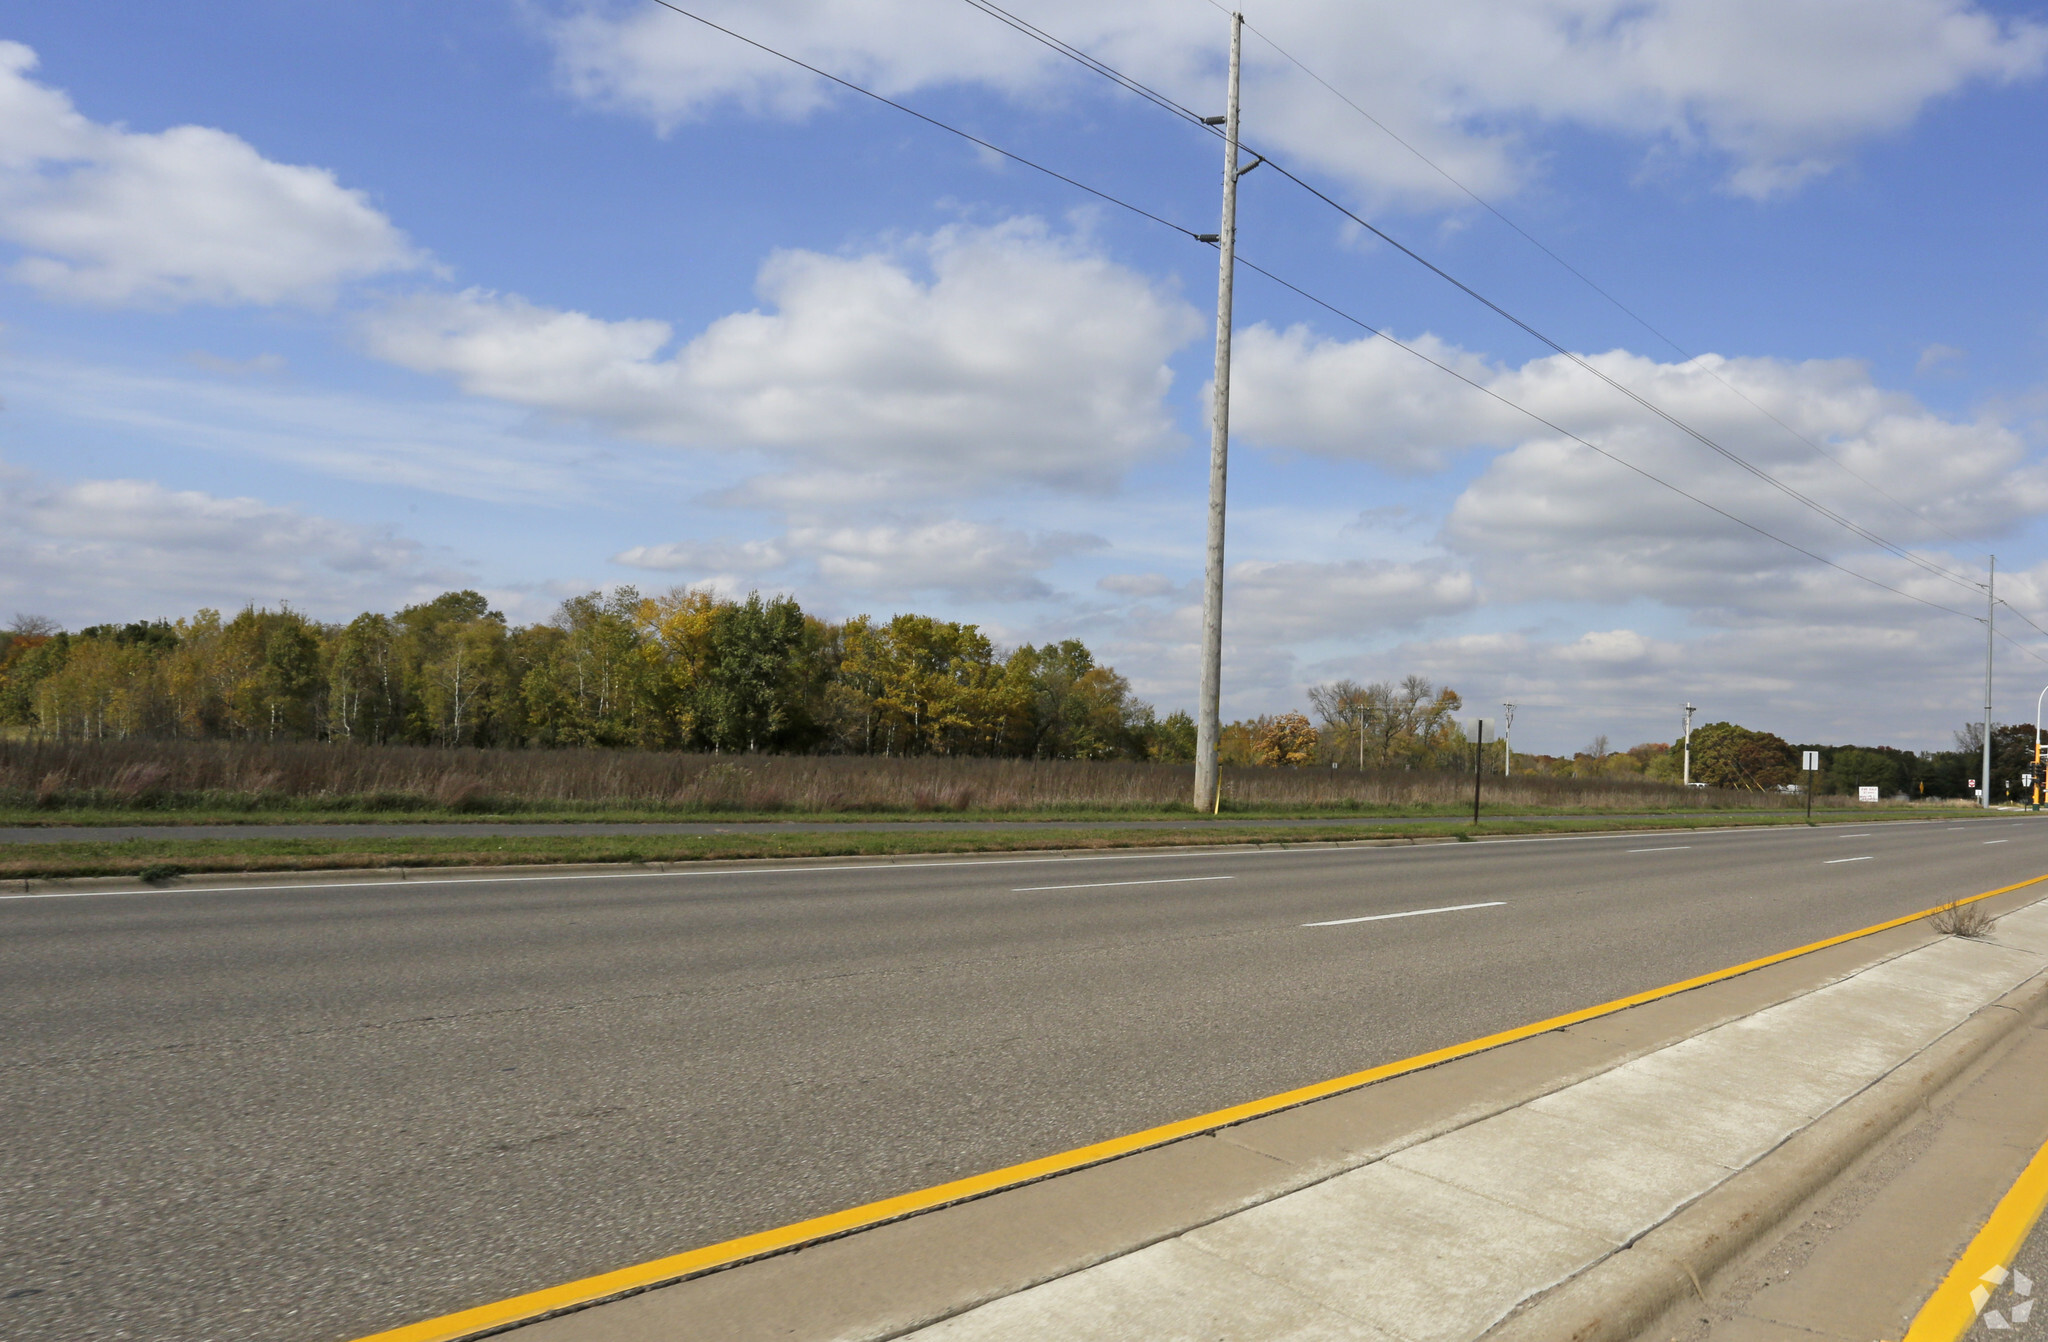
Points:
x=1812, y=760
x=1866, y=794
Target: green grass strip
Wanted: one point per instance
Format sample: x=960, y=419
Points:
x=172, y=858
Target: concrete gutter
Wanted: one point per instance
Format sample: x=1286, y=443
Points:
x=1574, y=1186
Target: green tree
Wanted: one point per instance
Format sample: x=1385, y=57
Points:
x=1850, y=768
x=597, y=688
x=754, y=693
x=1171, y=739
x=363, y=683
x=1725, y=755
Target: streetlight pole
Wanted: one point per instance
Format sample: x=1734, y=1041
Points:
x=1209, y=726
x=1689, y=711
x=1507, y=750
x=1990, y=635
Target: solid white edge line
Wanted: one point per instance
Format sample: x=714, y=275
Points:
x=1308, y=846
x=1104, y=885
x=1833, y=860
x=1411, y=913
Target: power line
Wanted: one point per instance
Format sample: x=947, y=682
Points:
x=1323, y=303
x=1481, y=387
x=1588, y=281
x=2021, y=646
x=1161, y=100
x=929, y=120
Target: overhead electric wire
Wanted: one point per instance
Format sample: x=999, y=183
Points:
x=1588, y=281
x=928, y=120
x=1161, y=100
x=1320, y=302
x=2021, y=646
x=1481, y=387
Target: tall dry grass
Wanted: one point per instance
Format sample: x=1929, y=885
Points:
x=310, y=776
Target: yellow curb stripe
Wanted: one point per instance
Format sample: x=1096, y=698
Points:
x=483, y=1319
x=1950, y=1311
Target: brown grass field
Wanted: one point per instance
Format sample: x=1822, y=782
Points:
x=63, y=782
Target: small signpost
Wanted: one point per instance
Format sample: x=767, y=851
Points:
x=1809, y=760
x=1866, y=794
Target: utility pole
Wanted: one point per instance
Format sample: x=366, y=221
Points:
x=1990, y=634
x=1209, y=725
x=1689, y=711
x=1507, y=751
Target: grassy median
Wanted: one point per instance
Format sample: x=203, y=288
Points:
x=170, y=859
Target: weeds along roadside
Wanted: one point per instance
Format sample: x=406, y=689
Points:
x=198, y=779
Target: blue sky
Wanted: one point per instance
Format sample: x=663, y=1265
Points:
x=344, y=305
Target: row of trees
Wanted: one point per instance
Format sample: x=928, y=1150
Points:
x=1411, y=725
x=680, y=671
x=686, y=670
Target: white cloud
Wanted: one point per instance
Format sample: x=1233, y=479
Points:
x=110, y=216
x=460, y=449
x=1548, y=519
x=1020, y=357
x=1551, y=518
x=88, y=550
x=951, y=557
x=1302, y=602
x=1778, y=89
x=1361, y=399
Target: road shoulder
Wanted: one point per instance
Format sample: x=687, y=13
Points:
x=897, y=1277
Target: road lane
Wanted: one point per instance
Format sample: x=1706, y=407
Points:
x=317, y=1111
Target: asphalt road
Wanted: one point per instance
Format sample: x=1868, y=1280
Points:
x=500, y=829
x=320, y=1111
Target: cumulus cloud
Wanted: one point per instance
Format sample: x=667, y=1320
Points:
x=1547, y=518
x=1778, y=90
x=115, y=217
x=116, y=549
x=1362, y=399
x=971, y=356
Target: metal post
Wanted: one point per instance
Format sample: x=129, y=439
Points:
x=1507, y=750
x=1478, y=763
x=1209, y=726
x=2037, y=746
x=1689, y=710
x=1990, y=634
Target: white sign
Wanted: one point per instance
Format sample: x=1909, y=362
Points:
x=1866, y=794
x=1812, y=760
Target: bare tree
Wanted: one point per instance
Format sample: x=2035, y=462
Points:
x=33, y=626
x=1345, y=707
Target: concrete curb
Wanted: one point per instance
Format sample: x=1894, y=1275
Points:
x=1633, y=1290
